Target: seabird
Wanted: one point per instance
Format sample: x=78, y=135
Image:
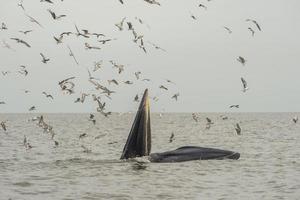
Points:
x=48, y=95
x=152, y=2
x=82, y=135
x=54, y=16
x=80, y=34
x=48, y=1
x=251, y=30
x=45, y=60
x=72, y=55
x=3, y=125
x=171, y=137
x=87, y=46
x=255, y=22
x=137, y=75
x=32, y=108
x=136, y=98
x=208, y=123
x=228, y=29
x=238, y=129
x=128, y=82
x=3, y=26
x=203, y=6
x=120, y=24
x=241, y=60
x=21, y=41
x=175, y=96
x=33, y=20
x=234, y=106
x=58, y=40
x=119, y=67
x=295, y=119
x=21, y=5
x=163, y=87
x=195, y=117
x=245, y=87
x=26, y=32
x=113, y=81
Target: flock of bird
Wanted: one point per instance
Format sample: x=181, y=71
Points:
x=103, y=90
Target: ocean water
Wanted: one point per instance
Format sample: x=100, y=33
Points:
x=269, y=167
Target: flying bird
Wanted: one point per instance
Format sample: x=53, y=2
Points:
x=152, y=2
x=252, y=31
x=175, y=96
x=45, y=60
x=54, y=16
x=245, y=87
x=26, y=32
x=58, y=40
x=21, y=41
x=3, y=125
x=195, y=117
x=120, y=24
x=136, y=98
x=21, y=5
x=171, y=137
x=241, y=60
x=72, y=55
x=228, y=29
x=203, y=6
x=48, y=95
x=295, y=119
x=3, y=26
x=32, y=108
x=234, y=106
x=34, y=20
x=255, y=22
x=238, y=129
x=48, y=1
x=163, y=87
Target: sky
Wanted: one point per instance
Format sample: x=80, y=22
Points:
x=200, y=56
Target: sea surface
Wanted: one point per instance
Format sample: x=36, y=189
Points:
x=269, y=167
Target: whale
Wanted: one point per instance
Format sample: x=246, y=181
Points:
x=138, y=143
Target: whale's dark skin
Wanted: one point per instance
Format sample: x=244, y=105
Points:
x=139, y=143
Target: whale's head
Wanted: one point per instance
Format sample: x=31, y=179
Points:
x=139, y=139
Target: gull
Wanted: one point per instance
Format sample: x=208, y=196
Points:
x=54, y=16
x=32, y=108
x=136, y=98
x=203, y=6
x=193, y=17
x=238, y=129
x=241, y=60
x=208, y=123
x=106, y=114
x=195, y=117
x=97, y=65
x=98, y=34
x=121, y=1
x=26, y=32
x=26, y=143
x=128, y=82
x=228, y=29
x=66, y=33
x=156, y=47
x=82, y=135
x=163, y=87
x=120, y=67
x=175, y=96
x=58, y=40
x=80, y=34
x=137, y=74
x=295, y=119
x=130, y=27
x=146, y=79
x=85, y=32
x=255, y=22
x=169, y=81
x=224, y=117
x=21, y=41
x=101, y=105
x=87, y=46
x=63, y=84
x=56, y=143
x=72, y=55
x=90, y=75
x=83, y=96
x=92, y=119
x=112, y=81
x=120, y=24
x=245, y=87
x=23, y=71
x=136, y=36
x=45, y=60
x=3, y=125
x=152, y=2
x=171, y=137
x=48, y=1
x=3, y=26
x=21, y=5
x=251, y=30
x=106, y=40
x=103, y=88
x=34, y=20
x=234, y=106
x=2, y=102
x=4, y=73
x=48, y=95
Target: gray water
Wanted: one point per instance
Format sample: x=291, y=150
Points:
x=269, y=167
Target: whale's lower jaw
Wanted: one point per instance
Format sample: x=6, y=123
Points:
x=189, y=153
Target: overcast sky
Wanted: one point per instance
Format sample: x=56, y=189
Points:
x=200, y=58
